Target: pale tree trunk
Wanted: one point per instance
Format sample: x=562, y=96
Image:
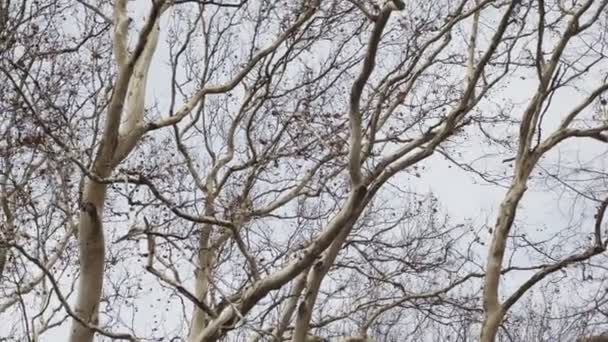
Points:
x=251, y=295
x=315, y=277
x=525, y=161
x=321, y=267
x=92, y=258
x=128, y=97
x=290, y=307
x=201, y=286
x=493, y=310
x=491, y=324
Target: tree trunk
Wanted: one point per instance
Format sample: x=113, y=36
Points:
x=92, y=256
x=315, y=278
x=128, y=97
x=199, y=317
x=3, y=253
x=202, y=273
x=490, y=326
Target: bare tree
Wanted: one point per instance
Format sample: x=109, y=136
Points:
x=236, y=170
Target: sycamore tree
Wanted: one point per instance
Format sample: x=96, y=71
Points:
x=206, y=170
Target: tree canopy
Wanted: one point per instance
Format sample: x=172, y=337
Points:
x=234, y=170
